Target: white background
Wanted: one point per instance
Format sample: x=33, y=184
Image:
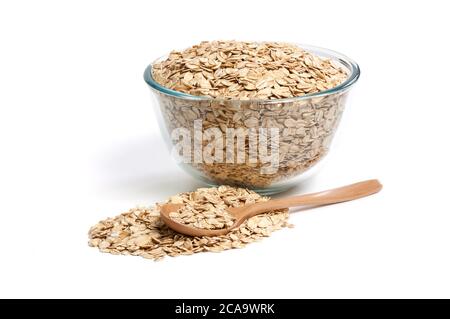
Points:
x=79, y=143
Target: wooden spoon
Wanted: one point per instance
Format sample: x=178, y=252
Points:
x=332, y=196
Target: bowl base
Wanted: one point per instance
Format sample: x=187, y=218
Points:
x=262, y=191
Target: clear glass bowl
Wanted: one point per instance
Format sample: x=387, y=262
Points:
x=264, y=145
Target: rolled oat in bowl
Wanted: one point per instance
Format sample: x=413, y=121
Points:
x=257, y=115
x=247, y=70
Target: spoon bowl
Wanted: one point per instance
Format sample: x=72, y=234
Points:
x=192, y=231
x=332, y=196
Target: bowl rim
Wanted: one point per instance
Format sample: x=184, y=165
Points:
x=352, y=67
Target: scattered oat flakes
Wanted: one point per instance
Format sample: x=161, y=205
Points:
x=141, y=232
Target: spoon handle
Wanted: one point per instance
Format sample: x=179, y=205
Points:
x=332, y=196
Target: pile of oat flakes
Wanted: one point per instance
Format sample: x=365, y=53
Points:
x=141, y=232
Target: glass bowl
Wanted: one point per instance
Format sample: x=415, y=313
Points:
x=264, y=145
